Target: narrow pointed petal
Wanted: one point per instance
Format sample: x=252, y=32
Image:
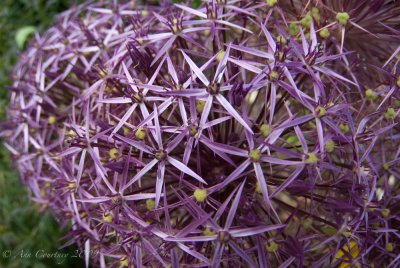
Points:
x=141, y=196
x=228, y=107
x=246, y=65
x=288, y=181
x=216, y=259
x=163, y=50
x=234, y=206
x=192, y=11
x=157, y=134
x=124, y=119
x=222, y=66
x=206, y=110
x=242, y=254
x=182, y=167
x=196, y=70
x=140, y=173
x=192, y=238
x=234, y=175
x=194, y=253
x=255, y=230
x=159, y=182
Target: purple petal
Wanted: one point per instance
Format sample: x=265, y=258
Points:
x=164, y=49
x=182, y=167
x=232, y=210
x=192, y=11
x=159, y=182
x=141, y=196
x=232, y=112
x=196, y=70
x=255, y=230
x=124, y=119
x=242, y=254
x=140, y=173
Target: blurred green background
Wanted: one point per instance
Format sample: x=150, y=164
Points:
x=23, y=229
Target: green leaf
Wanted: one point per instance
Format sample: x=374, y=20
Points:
x=293, y=140
x=196, y=3
x=23, y=34
x=329, y=230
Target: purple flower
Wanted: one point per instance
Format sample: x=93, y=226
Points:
x=238, y=133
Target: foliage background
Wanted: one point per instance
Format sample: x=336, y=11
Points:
x=23, y=228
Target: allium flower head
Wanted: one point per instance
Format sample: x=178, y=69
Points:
x=238, y=133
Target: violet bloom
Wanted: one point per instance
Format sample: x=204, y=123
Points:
x=239, y=133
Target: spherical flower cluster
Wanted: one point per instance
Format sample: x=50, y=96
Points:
x=236, y=133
